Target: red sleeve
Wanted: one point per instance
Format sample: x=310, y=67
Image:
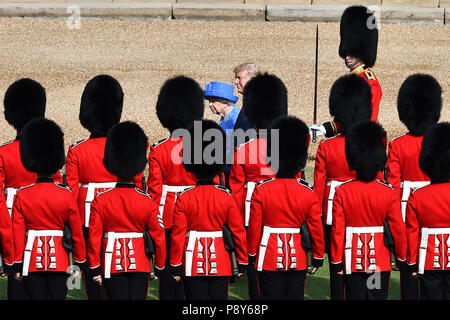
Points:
x=337, y=241
x=72, y=173
x=397, y=226
x=254, y=224
x=18, y=230
x=6, y=234
x=237, y=181
x=393, y=167
x=155, y=178
x=178, y=233
x=156, y=230
x=239, y=233
x=79, y=254
x=314, y=222
x=95, y=236
x=2, y=175
x=412, y=231
x=320, y=175
x=376, y=98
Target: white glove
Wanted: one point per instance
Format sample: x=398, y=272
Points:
x=318, y=128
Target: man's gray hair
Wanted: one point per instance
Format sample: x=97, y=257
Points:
x=251, y=67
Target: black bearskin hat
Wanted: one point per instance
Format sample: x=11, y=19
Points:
x=101, y=105
x=359, y=35
x=42, y=147
x=365, y=149
x=419, y=103
x=434, y=157
x=350, y=100
x=204, y=150
x=265, y=98
x=180, y=102
x=293, y=142
x=24, y=100
x=125, y=150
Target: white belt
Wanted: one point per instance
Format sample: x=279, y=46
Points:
x=10, y=194
x=90, y=195
x=250, y=186
x=31, y=236
x=112, y=237
x=424, y=244
x=193, y=236
x=267, y=231
x=165, y=190
x=349, y=232
x=407, y=186
x=333, y=184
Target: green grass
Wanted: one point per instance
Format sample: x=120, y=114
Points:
x=317, y=287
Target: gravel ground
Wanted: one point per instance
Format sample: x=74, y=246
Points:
x=142, y=54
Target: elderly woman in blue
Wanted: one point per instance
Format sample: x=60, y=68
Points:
x=222, y=102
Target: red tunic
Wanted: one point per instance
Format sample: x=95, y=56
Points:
x=84, y=164
x=284, y=203
x=429, y=207
x=360, y=204
x=12, y=172
x=46, y=205
x=165, y=167
x=369, y=76
x=6, y=235
x=249, y=166
x=125, y=209
x=403, y=160
x=206, y=208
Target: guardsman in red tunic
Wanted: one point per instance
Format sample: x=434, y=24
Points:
x=25, y=100
x=365, y=211
x=280, y=208
x=428, y=217
x=180, y=103
x=41, y=213
x=358, y=47
x=100, y=109
x=350, y=103
x=265, y=98
x=198, y=241
x=419, y=105
x=122, y=218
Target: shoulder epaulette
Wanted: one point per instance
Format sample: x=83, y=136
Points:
x=102, y=192
x=159, y=142
x=260, y=183
x=63, y=186
x=77, y=143
x=305, y=183
x=369, y=74
x=329, y=138
x=187, y=189
x=24, y=187
x=143, y=193
x=417, y=188
x=398, y=137
x=7, y=142
x=223, y=188
x=386, y=184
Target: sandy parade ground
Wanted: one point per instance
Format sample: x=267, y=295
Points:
x=142, y=54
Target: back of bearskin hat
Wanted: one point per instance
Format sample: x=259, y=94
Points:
x=359, y=35
x=293, y=141
x=365, y=149
x=125, y=150
x=350, y=100
x=42, y=147
x=101, y=105
x=265, y=98
x=419, y=103
x=434, y=157
x=204, y=149
x=180, y=102
x=24, y=100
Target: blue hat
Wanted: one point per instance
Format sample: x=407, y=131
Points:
x=220, y=90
